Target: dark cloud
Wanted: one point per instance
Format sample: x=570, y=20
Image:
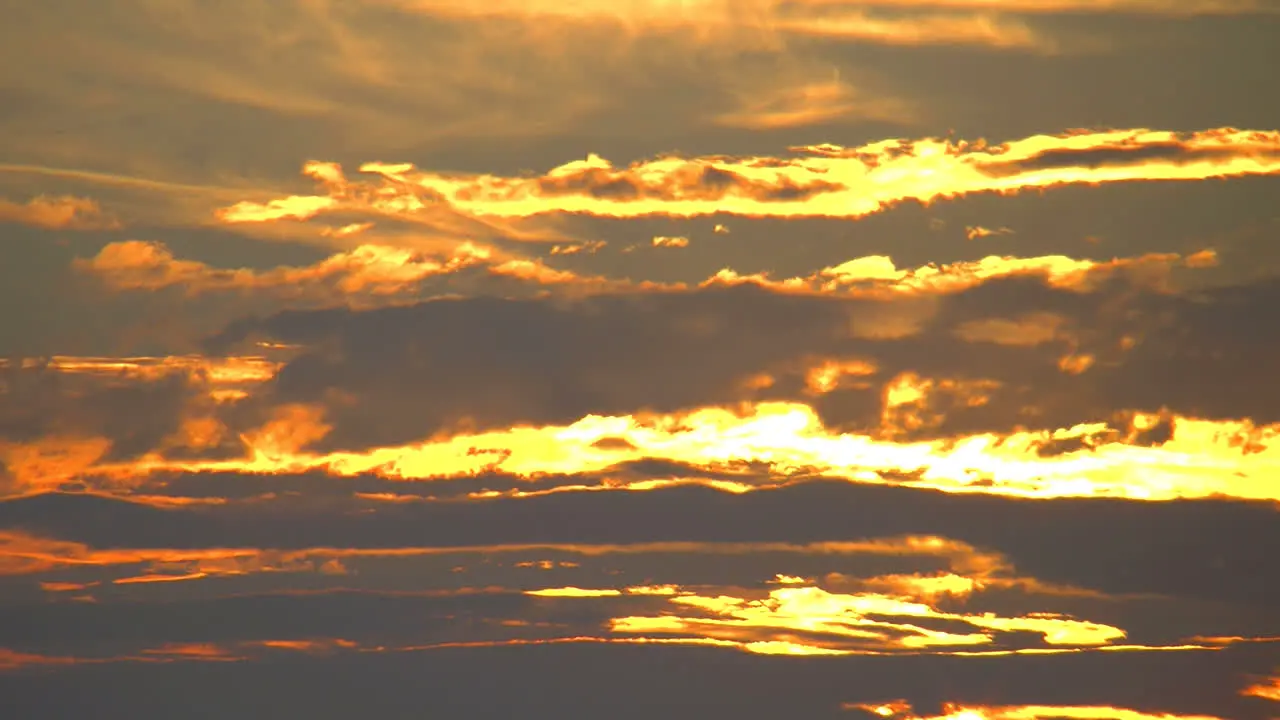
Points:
x=546, y=361
x=631, y=682
x=1212, y=550
x=538, y=361
x=121, y=628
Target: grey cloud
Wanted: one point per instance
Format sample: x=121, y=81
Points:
x=555, y=361
x=1211, y=550
x=634, y=682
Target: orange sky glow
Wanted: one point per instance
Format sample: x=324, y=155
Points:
x=900, y=359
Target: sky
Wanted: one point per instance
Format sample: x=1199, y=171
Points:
x=902, y=359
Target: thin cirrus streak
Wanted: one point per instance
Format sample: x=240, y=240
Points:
x=820, y=181
x=902, y=710
x=215, y=371
x=809, y=103
x=1157, y=7
x=745, y=21
x=839, y=615
x=25, y=554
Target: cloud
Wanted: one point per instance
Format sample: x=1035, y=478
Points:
x=1156, y=7
x=64, y=414
x=58, y=213
x=816, y=620
x=374, y=270
x=1202, y=459
x=974, y=232
x=901, y=710
x=547, y=680
x=810, y=103
x=730, y=335
x=670, y=241
x=1111, y=546
x=1063, y=415
x=1030, y=329
x=819, y=181
x=372, y=275
x=724, y=22
x=976, y=599
x=1267, y=689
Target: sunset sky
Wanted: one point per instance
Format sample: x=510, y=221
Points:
x=610, y=359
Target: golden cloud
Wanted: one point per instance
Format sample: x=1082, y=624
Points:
x=374, y=270
x=64, y=212
x=1200, y=459
x=727, y=21
x=818, y=181
x=1267, y=689
x=902, y=710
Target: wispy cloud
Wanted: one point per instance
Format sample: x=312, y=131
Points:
x=901, y=710
x=57, y=213
x=1267, y=689
x=727, y=20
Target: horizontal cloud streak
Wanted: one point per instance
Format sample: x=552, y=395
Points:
x=819, y=181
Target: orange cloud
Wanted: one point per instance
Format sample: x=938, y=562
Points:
x=197, y=368
x=294, y=207
x=65, y=586
x=379, y=198
x=24, y=554
x=192, y=651
x=729, y=21
x=586, y=248
x=1155, y=7
x=1268, y=689
x=1200, y=459
x=58, y=459
x=1026, y=330
x=911, y=402
x=375, y=275
x=673, y=242
x=12, y=660
x=574, y=592
x=902, y=710
x=369, y=269
x=811, y=619
x=63, y=212
x=829, y=375
x=50, y=462
x=796, y=104
x=973, y=232
x=817, y=181
x=853, y=23
x=878, y=276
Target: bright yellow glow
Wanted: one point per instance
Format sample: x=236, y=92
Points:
x=818, y=181
x=1201, y=459
x=841, y=623
x=902, y=710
